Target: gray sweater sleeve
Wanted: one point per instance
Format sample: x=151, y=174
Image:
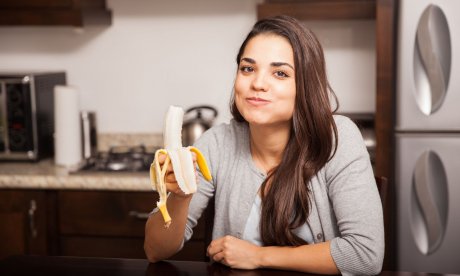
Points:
x=359, y=249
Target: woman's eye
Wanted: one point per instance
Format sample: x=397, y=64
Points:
x=281, y=74
x=246, y=69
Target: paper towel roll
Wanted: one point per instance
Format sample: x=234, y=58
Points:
x=67, y=132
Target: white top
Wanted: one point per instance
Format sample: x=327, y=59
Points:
x=251, y=231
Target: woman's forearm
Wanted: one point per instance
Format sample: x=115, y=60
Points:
x=160, y=242
x=314, y=258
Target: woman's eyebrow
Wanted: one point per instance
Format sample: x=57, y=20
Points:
x=248, y=60
x=274, y=64
x=279, y=64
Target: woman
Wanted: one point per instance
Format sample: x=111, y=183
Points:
x=293, y=184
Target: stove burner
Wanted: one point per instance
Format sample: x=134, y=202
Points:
x=122, y=158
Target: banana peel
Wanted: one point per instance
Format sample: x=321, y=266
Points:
x=181, y=159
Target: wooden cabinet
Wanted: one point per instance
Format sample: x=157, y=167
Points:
x=318, y=9
x=54, y=12
x=111, y=224
x=23, y=222
x=385, y=116
x=84, y=223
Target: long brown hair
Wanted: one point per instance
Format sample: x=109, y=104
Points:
x=286, y=203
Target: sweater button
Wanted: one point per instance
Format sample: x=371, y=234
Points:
x=319, y=236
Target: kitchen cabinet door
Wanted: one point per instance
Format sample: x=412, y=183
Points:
x=112, y=224
x=23, y=227
x=76, y=13
x=34, y=4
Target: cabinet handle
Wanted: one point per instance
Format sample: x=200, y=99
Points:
x=32, y=209
x=139, y=215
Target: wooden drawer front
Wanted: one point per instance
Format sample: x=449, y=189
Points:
x=104, y=213
x=109, y=213
x=124, y=248
x=12, y=234
x=23, y=222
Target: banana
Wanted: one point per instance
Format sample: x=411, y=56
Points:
x=181, y=160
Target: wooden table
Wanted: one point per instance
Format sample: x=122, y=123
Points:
x=46, y=265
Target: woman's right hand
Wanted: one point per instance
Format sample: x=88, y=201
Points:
x=170, y=179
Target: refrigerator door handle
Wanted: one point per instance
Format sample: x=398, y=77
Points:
x=432, y=59
x=429, y=202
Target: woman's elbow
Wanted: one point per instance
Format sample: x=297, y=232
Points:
x=365, y=267
x=150, y=254
x=359, y=258
x=373, y=264
x=157, y=253
x=379, y=255
x=375, y=267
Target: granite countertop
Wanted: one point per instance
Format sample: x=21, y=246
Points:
x=45, y=175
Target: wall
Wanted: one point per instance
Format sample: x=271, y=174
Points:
x=158, y=53
x=349, y=48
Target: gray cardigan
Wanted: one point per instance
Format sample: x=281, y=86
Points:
x=346, y=207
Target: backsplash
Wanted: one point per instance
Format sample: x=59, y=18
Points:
x=107, y=140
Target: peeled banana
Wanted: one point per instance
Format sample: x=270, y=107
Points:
x=181, y=159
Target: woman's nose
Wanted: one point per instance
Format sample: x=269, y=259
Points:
x=259, y=83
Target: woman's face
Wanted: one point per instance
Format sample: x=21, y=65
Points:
x=265, y=83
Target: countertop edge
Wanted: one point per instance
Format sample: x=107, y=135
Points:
x=74, y=182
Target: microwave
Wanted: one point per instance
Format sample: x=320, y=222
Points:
x=27, y=114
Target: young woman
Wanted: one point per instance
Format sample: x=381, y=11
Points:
x=293, y=183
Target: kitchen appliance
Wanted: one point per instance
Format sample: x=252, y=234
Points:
x=365, y=123
x=27, y=114
x=427, y=137
x=88, y=134
x=121, y=159
x=197, y=120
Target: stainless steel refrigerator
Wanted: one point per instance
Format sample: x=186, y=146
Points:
x=427, y=136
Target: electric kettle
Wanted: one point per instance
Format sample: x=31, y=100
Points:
x=197, y=120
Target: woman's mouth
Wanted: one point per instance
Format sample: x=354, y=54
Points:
x=256, y=101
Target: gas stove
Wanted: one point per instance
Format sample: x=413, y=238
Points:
x=121, y=159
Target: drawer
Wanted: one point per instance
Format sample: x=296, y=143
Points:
x=104, y=213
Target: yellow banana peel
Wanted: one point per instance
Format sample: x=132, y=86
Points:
x=181, y=160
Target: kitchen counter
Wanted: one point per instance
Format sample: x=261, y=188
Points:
x=45, y=175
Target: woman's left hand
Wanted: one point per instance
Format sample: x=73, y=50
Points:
x=234, y=252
